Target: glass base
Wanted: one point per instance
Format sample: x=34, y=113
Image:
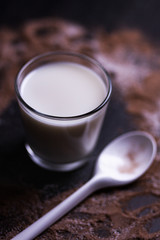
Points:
x=63, y=167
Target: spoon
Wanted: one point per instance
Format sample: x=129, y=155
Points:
x=121, y=162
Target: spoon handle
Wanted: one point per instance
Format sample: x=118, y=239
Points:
x=56, y=213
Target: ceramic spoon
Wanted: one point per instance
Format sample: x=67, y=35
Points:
x=121, y=162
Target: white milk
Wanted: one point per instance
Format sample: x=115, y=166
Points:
x=65, y=90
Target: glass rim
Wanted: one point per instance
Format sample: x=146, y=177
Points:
x=65, y=53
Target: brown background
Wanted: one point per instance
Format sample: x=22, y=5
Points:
x=125, y=38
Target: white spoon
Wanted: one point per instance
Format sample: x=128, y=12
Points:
x=121, y=162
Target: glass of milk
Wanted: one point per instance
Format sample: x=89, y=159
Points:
x=63, y=99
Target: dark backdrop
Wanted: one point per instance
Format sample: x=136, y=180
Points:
x=112, y=14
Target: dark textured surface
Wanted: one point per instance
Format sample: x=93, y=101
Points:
x=111, y=14
x=27, y=191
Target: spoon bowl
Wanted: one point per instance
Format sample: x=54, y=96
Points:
x=123, y=161
x=127, y=158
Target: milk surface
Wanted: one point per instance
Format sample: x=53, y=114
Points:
x=63, y=89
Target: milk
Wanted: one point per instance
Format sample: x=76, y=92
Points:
x=63, y=89
x=59, y=115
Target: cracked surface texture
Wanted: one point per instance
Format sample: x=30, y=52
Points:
x=27, y=192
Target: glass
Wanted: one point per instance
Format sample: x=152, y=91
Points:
x=55, y=142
